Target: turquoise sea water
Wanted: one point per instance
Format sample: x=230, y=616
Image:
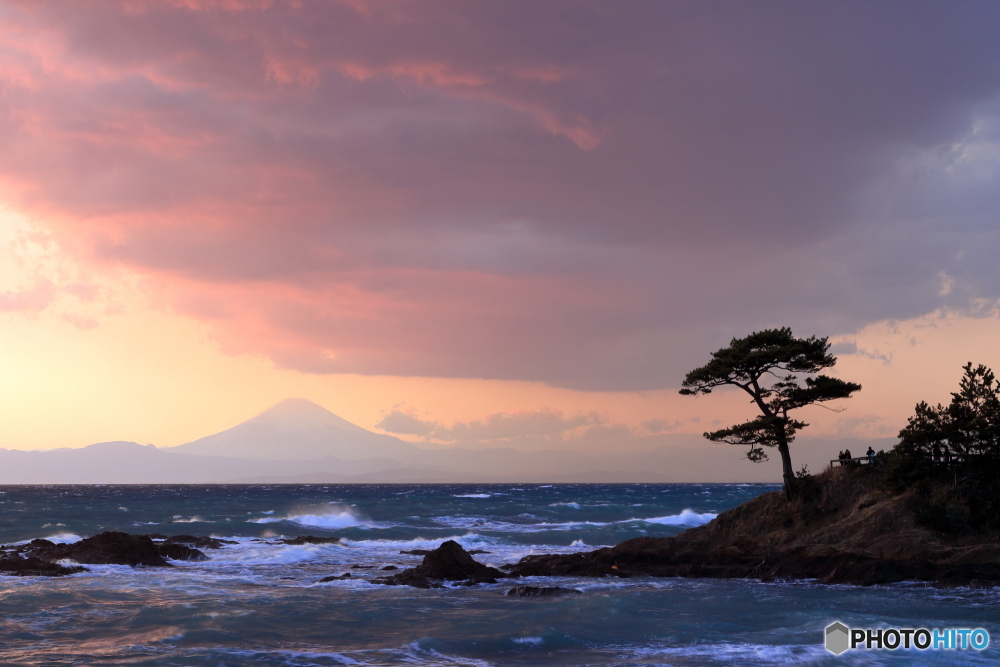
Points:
x=258, y=602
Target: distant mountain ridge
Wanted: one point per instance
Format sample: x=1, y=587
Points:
x=298, y=441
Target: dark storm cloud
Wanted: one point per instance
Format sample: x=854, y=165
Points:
x=588, y=194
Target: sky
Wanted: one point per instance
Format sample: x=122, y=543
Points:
x=491, y=222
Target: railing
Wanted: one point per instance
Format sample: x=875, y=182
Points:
x=861, y=460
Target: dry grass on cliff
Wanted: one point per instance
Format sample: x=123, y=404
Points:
x=841, y=509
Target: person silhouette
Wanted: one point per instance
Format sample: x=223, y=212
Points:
x=870, y=454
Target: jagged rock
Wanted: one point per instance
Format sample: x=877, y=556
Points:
x=110, y=548
x=334, y=577
x=34, y=567
x=540, y=591
x=177, y=551
x=198, y=542
x=449, y=562
x=390, y=567
x=312, y=539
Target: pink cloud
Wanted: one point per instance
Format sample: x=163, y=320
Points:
x=575, y=193
x=28, y=300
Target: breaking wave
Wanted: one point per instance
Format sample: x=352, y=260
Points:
x=333, y=518
x=687, y=517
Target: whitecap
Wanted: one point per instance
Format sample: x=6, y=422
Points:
x=687, y=517
x=480, y=523
x=533, y=641
x=331, y=521
x=177, y=518
x=575, y=506
x=331, y=517
x=58, y=538
x=471, y=495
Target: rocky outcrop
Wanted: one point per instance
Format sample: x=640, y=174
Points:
x=449, y=562
x=110, y=548
x=32, y=566
x=844, y=529
x=178, y=551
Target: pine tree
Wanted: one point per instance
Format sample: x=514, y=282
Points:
x=764, y=365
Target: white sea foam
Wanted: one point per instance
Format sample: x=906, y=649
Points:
x=468, y=541
x=269, y=554
x=472, y=495
x=329, y=516
x=177, y=518
x=742, y=653
x=687, y=517
x=575, y=506
x=58, y=538
x=533, y=641
x=331, y=520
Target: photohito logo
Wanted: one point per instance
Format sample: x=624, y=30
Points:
x=839, y=638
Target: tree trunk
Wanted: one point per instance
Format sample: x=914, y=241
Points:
x=786, y=470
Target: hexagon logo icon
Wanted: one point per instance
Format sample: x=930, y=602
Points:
x=837, y=638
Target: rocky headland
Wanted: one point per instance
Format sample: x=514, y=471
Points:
x=844, y=527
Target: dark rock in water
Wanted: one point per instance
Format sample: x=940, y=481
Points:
x=452, y=563
x=34, y=567
x=540, y=591
x=390, y=567
x=478, y=551
x=333, y=577
x=312, y=539
x=449, y=562
x=110, y=548
x=180, y=552
x=156, y=536
x=416, y=552
x=198, y=542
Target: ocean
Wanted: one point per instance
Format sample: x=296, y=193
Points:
x=259, y=601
